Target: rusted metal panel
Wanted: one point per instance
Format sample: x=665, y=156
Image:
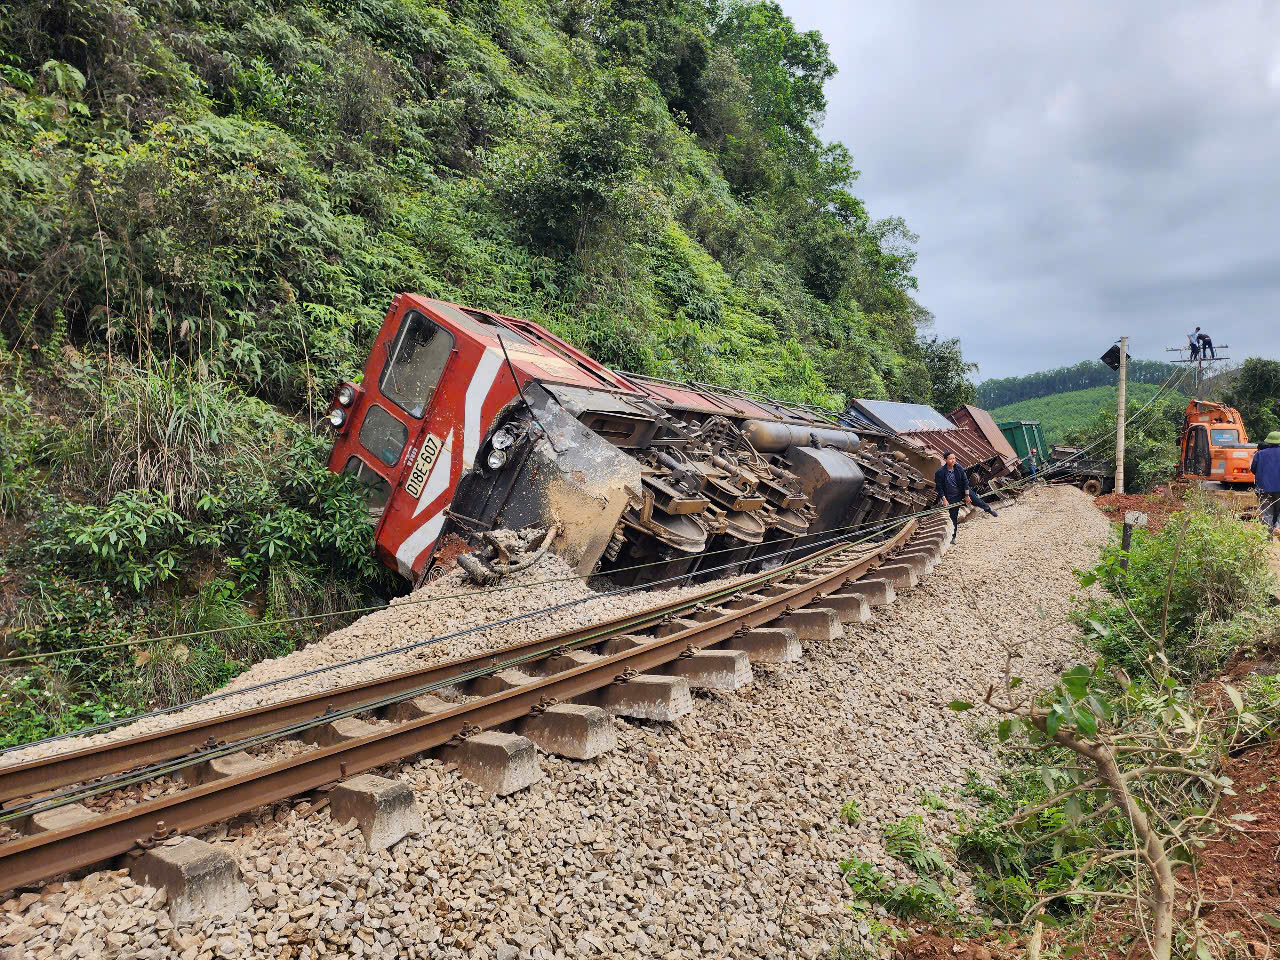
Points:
x=968, y=446
x=976, y=418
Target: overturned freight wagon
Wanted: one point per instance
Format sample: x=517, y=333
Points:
x=467, y=422
x=932, y=434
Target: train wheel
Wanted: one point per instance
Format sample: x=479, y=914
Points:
x=1092, y=487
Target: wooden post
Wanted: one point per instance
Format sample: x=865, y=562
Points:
x=1120, y=413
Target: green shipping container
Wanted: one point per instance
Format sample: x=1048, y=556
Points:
x=1025, y=436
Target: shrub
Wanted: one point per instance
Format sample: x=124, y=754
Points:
x=904, y=840
x=1184, y=585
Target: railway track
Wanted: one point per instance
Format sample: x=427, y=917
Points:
x=493, y=691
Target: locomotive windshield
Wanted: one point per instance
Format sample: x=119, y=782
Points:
x=415, y=363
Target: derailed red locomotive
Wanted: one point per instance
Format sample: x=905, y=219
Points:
x=468, y=422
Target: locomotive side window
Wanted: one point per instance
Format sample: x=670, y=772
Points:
x=414, y=364
x=383, y=435
x=377, y=490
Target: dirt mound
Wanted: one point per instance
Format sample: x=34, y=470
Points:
x=1157, y=506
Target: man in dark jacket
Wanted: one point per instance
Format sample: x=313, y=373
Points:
x=952, y=484
x=1206, y=345
x=1266, y=481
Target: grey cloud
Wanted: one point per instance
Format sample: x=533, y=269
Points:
x=1074, y=172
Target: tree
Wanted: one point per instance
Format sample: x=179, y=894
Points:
x=1255, y=392
x=949, y=373
x=786, y=69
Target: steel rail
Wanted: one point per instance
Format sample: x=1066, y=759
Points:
x=35, y=858
x=44, y=774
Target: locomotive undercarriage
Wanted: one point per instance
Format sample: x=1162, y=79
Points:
x=645, y=495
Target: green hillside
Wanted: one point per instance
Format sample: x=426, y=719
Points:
x=206, y=207
x=1080, y=376
x=1076, y=410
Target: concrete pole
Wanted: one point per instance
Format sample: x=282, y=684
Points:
x=1120, y=412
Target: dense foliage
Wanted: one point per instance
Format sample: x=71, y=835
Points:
x=1065, y=414
x=246, y=185
x=1190, y=596
x=1082, y=376
x=206, y=206
x=1254, y=390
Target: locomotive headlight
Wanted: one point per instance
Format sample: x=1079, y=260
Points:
x=502, y=440
x=346, y=394
x=337, y=417
x=497, y=458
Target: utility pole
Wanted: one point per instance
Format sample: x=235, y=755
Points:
x=1120, y=411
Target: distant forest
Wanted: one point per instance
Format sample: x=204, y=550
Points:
x=1063, y=414
x=1082, y=376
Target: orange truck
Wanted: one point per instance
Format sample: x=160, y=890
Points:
x=1215, y=445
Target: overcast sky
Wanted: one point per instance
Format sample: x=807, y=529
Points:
x=1074, y=170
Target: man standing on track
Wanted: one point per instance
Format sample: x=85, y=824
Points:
x=952, y=484
x=1266, y=482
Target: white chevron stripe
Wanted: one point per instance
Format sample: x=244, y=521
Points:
x=438, y=479
x=416, y=542
x=477, y=391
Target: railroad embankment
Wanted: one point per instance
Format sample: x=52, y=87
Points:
x=717, y=835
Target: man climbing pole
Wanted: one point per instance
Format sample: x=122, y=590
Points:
x=1195, y=347
x=1266, y=482
x=952, y=484
x=1205, y=344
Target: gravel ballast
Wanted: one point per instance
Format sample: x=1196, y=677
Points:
x=716, y=836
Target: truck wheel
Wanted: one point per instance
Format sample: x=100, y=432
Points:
x=1092, y=487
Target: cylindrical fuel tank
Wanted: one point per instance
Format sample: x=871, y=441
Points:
x=831, y=480
x=769, y=437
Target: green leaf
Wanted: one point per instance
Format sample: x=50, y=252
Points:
x=1072, y=810
x=1076, y=680
x=1015, y=682
x=1053, y=721
x=1236, y=700
x=1004, y=730
x=1086, y=723
x=1271, y=920
x=959, y=706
